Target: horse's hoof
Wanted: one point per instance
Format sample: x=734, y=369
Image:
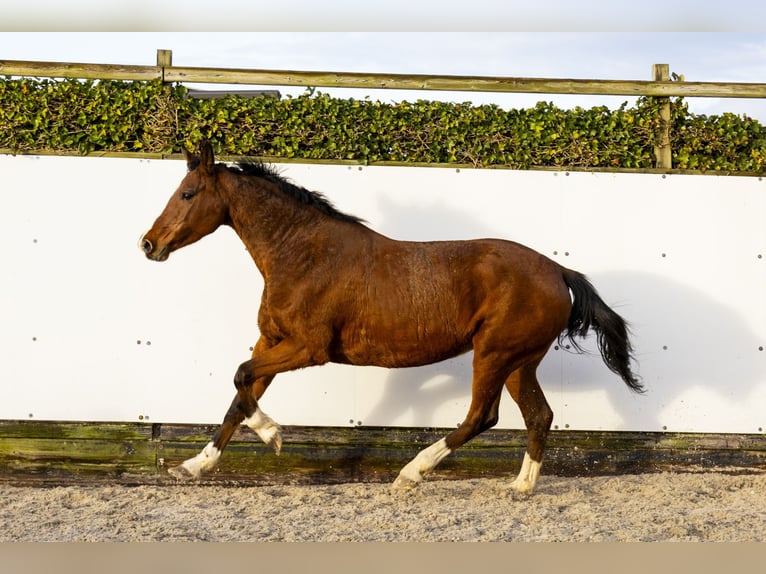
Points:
x=182, y=473
x=402, y=484
x=522, y=486
x=276, y=443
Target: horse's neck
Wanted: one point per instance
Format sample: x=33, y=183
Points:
x=280, y=234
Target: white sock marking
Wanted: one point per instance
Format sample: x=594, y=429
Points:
x=425, y=461
x=265, y=427
x=528, y=475
x=204, y=461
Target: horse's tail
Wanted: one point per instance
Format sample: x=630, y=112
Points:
x=589, y=310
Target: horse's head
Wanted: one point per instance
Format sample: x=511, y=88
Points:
x=196, y=209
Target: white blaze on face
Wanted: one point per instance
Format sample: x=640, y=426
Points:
x=527, y=479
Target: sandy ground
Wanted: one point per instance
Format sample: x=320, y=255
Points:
x=705, y=506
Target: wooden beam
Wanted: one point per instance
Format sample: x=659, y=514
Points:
x=138, y=453
x=662, y=152
x=80, y=71
x=164, y=60
x=465, y=83
x=356, y=162
x=381, y=81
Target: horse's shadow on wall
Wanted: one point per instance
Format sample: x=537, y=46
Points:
x=684, y=341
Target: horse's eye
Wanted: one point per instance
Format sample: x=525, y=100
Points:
x=186, y=196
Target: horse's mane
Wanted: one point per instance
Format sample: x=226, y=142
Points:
x=300, y=194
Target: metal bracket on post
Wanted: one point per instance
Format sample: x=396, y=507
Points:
x=663, y=152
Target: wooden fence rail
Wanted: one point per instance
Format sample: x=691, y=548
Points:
x=164, y=70
x=659, y=86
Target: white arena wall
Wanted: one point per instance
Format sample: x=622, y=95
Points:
x=90, y=330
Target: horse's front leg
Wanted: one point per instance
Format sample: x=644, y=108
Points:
x=252, y=379
x=244, y=408
x=265, y=427
x=207, y=459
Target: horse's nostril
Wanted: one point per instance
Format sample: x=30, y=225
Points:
x=147, y=246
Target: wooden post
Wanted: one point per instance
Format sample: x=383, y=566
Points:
x=662, y=152
x=164, y=60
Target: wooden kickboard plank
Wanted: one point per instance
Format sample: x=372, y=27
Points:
x=141, y=453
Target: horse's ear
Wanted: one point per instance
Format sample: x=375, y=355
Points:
x=206, y=156
x=192, y=161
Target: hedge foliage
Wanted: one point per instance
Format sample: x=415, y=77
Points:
x=66, y=116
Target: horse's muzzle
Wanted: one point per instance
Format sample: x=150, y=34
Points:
x=149, y=250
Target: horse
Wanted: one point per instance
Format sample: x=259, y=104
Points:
x=337, y=291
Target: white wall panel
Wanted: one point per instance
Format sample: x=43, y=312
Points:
x=91, y=330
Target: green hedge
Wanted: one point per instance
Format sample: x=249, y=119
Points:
x=72, y=116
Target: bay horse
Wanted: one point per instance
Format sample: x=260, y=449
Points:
x=337, y=291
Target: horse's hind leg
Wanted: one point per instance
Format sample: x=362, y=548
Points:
x=482, y=415
x=538, y=416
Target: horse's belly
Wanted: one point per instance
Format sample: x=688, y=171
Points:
x=402, y=348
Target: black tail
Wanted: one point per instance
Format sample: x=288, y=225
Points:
x=589, y=310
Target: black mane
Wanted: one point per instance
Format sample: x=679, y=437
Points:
x=300, y=194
